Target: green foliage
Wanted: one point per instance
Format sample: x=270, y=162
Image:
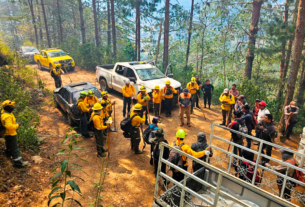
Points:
x=70, y=144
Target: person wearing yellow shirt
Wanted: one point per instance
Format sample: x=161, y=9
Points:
x=8, y=121
x=91, y=99
x=99, y=127
x=157, y=96
x=56, y=74
x=143, y=98
x=167, y=95
x=193, y=88
x=180, y=134
x=136, y=121
x=226, y=99
x=83, y=109
x=105, y=102
x=128, y=92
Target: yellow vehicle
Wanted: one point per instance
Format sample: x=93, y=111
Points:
x=49, y=58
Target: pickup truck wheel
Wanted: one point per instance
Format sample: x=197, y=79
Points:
x=39, y=65
x=70, y=120
x=103, y=85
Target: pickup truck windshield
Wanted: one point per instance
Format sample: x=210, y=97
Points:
x=29, y=49
x=150, y=74
x=95, y=90
x=57, y=53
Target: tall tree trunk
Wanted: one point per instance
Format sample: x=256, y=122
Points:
x=300, y=95
x=159, y=39
x=113, y=29
x=285, y=64
x=60, y=23
x=46, y=24
x=296, y=56
x=166, y=35
x=34, y=21
x=108, y=24
x=138, y=27
x=39, y=23
x=136, y=39
x=82, y=21
x=202, y=49
x=99, y=22
x=189, y=37
x=95, y=23
x=256, y=10
x=74, y=18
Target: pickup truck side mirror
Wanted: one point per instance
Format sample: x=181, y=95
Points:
x=133, y=79
x=170, y=75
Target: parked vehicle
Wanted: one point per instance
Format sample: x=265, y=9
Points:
x=28, y=52
x=139, y=73
x=49, y=58
x=66, y=96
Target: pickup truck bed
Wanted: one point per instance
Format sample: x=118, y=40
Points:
x=107, y=67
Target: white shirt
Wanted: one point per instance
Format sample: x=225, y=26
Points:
x=261, y=114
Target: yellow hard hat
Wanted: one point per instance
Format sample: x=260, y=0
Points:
x=181, y=134
x=137, y=107
x=167, y=82
x=143, y=88
x=90, y=93
x=8, y=103
x=157, y=87
x=58, y=66
x=193, y=79
x=97, y=107
x=104, y=93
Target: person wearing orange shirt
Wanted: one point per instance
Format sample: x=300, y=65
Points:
x=128, y=93
x=157, y=95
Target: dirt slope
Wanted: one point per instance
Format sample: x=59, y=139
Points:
x=130, y=179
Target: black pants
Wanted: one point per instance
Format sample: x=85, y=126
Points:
x=58, y=81
x=207, y=98
x=197, y=99
x=157, y=109
x=237, y=150
x=163, y=167
x=249, y=141
x=178, y=176
x=168, y=106
x=83, y=124
x=135, y=138
x=126, y=101
x=268, y=152
x=12, y=150
x=100, y=140
x=144, y=108
x=194, y=97
x=224, y=117
x=289, y=129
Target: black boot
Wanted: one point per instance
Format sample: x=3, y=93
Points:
x=137, y=151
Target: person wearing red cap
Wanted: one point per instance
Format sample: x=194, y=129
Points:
x=261, y=117
x=291, y=111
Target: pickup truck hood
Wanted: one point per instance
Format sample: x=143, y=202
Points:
x=161, y=82
x=66, y=57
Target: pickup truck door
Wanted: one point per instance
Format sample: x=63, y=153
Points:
x=44, y=59
x=118, y=78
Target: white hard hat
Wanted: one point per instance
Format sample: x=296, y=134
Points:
x=226, y=90
x=127, y=81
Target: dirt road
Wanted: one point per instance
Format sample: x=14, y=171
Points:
x=130, y=179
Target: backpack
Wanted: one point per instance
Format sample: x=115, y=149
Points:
x=248, y=172
x=298, y=175
x=176, y=158
x=243, y=129
x=126, y=125
x=52, y=74
x=168, y=91
x=90, y=124
x=2, y=128
x=75, y=110
x=147, y=133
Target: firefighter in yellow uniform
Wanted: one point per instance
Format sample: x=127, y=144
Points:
x=136, y=121
x=83, y=109
x=143, y=99
x=180, y=134
x=99, y=127
x=193, y=88
x=128, y=92
x=168, y=94
x=8, y=121
x=157, y=96
x=91, y=99
x=56, y=74
x=226, y=99
x=105, y=102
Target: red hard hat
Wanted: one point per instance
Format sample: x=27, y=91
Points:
x=263, y=103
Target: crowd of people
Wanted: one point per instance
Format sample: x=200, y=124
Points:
x=95, y=115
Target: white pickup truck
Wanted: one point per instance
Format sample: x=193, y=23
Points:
x=139, y=73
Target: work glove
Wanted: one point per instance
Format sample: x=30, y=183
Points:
x=267, y=165
x=207, y=153
x=145, y=98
